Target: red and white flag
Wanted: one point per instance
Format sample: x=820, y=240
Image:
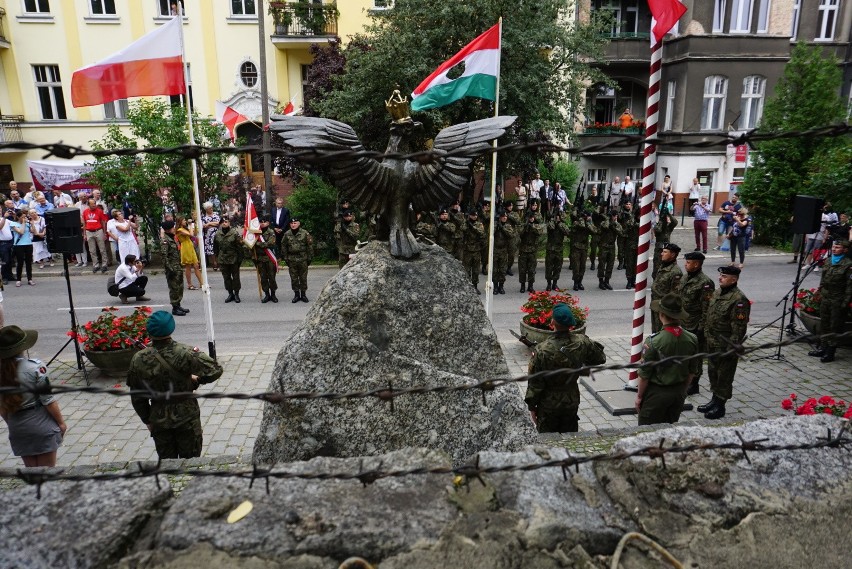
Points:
x=289, y=110
x=229, y=117
x=664, y=15
x=152, y=65
x=252, y=222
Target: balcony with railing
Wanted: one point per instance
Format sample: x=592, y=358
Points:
x=299, y=24
x=4, y=43
x=10, y=129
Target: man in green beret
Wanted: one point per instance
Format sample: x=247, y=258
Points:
x=167, y=365
x=836, y=288
x=662, y=388
x=553, y=400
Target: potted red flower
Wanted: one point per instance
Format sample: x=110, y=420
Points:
x=808, y=303
x=110, y=341
x=539, y=309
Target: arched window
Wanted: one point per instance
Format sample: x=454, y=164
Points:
x=751, y=106
x=248, y=74
x=713, y=109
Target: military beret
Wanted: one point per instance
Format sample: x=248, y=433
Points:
x=160, y=324
x=263, y=218
x=730, y=271
x=473, y=211
x=501, y=213
x=843, y=243
x=443, y=210
x=344, y=200
x=168, y=225
x=673, y=247
x=562, y=315
x=295, y=220
x=345, y=212
x=694, y=256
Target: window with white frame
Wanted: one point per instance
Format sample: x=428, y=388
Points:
x=48, y=85
x=382, y=4
x=168, y=8
x=741, y=16
x=248, y=74
x=751, y=106
x=37, y=6
x=116, y=110
x=718, y=15
x=713, y=108
x=596, y=177
x=243, y=8
x=102, y=7
x=763, y=16
x=630, y=24
x=797, y=10
x=671, y=93
x=827, y=19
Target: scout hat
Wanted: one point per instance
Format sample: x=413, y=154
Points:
x=563, y=315
x=671, y=305
x=14, y=340
x=730, y=271
x=673, y=247
x=694, y=256
x=160, y=324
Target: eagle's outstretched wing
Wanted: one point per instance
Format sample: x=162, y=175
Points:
x=439, y=181
x=362, y=179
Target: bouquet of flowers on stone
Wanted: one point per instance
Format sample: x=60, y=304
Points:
x=539, y=308
x=808, y=300
x=112, y=332
x=824, y=405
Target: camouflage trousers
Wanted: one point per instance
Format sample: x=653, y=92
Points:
x=578, y=262
x=721, y=371
x=458, y=251
x=553, y=261
x=483, y=258
x=501, y=265
x=559, y=420
x=630, y=256
x=180, y=442
x=622, y=245
x=832, y=314
x=231, y=274
x=527, y=263
x=266, y=270
x=342, y=259
x=513, y=254
x=658, y=253
x=702, y=347
x=605, y=263
x=175, y=281
x=298, y=275
x=594, y=245
x=472, y=266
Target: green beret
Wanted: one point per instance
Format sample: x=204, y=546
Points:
x=160, y=324
x=562, y=315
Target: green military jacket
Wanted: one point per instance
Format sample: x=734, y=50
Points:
x=425, y=229
x=563, y=350
x=580, y=231
x=695, y=291
x=836, y=281
x=148, y=372
x=557, y=231
x=297, y=247
x=473, y=235
x=727, y=316
x=667, y=280
x=346, y=236
x=229, y=247
x=609, y=231
x=530, y=234
x=504, y=236
x=445, y=235
x=663, y=231
x=171, y=254
x=268, y=242
x=670, y=341
x=631, y=232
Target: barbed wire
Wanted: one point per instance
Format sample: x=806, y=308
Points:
x=189, y=151
x=467, y=473
x=390, y=393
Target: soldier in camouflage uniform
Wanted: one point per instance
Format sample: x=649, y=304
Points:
x=474, y=233
x=229, y=250
x=504, y=235
x=725, y=327
x=610, y=229
x=662, y=388
x=554, y=401
x=459, y=219
x=422, y=227
x=595, y=240
x=515, y=221
x=557, y=230
x=346, y=233
x=297, y=245
x=662, y=235
x=266, y=268
x=445, y=231
x=667, y=280
x=631, y=243
x=172, y=267
x=581, y=228
x=836, y=288
x=695, y=291
x=529, y=234
x=166, y=365
x=485, y=218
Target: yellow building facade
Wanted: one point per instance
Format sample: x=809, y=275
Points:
x=42, y=42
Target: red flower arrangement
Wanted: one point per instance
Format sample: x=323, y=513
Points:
x=111, y=332
x=539, y=308
x=824, y=405
x=808, y=300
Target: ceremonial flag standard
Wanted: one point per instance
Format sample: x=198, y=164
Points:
x=229, y=117
x=665, y=14
x=252, y=222
x=152, y=65
x=481, y=59
x=289, y=110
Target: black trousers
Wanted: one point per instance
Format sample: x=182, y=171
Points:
x=6, y=259
x=24, y=256
x=135, y=289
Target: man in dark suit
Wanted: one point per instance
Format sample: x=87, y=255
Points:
x=279, y=222
x=544, y=194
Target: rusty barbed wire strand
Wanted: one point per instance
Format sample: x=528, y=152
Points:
x=472, y=471
x=187, y=151
x=389, y=393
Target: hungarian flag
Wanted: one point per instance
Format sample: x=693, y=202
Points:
x=152, y=65
x=252, y=222
x=664, y=15
x=481, y=59
x=230, y=118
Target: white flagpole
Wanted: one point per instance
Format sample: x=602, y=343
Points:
x=205, y=288
x=489, y=285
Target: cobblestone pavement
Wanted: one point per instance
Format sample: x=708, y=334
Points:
x=104, y=429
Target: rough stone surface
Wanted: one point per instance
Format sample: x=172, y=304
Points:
x=384, y=321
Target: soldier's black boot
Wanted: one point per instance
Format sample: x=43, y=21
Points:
x=601, y=284
x=230, y=297
x=707, y=406
x=509, y=272
x=716, y=412
x=185, y=310
x=554, y=286
x=620, y=266
x=297, y=296
x=607, y=285
x=530, y=287
x=177, y=311
x=237, y=297
x=580, y=285
x=272, y=296
x=523, y=286
x=500, y=288
x=266, y=298
x=576, y=285
x=829, y=355
x=592, y=268
x=303, y=297
x=548, y=286
x=694, y=388
x=476, y=288
x=817, y=352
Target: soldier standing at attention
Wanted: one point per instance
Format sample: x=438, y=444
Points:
x=667, y=280
x=662, y=388
x=172, y=267
x=346, y=233
x=485, y=219
x=458, y=218
x=725, y=327
x=581, y=228
x=266, y=267
x=474, y=233
x=557, y=230
x=298, y=248
x=166, y=365
x=228, y=248
x=836, y=288
x=662, y=235
x=529, y=234
x=554, y=401
x=631, y=243
x=445, y=231
x=695, y=291
x=422, y=227
x=515, y=221
x=504, y=235
x=610, y=229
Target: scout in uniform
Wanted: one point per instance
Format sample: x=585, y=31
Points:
x=229, y=249
x=298, y=248
x=557, y=230
x=835, y=285
x=695, y=291
x=667, y=280
x=172, y=267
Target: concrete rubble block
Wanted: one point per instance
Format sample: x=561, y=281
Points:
x=383, y=321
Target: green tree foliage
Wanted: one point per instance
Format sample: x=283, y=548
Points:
x=140, y=178
x=314, y=203
x=807, y=95
x=566, y=172
x=831, y=175
x=545, y=64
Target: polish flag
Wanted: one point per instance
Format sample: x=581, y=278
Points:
x=289, y=110
x=230, y=118
x=664, y=15
x=152, y=65
x=252, y=222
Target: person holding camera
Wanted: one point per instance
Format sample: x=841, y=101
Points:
x=23, y=245
x=130, y=280
x=701, y=213
x=6, y=238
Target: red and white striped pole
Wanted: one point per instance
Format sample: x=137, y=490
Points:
x=649, y=170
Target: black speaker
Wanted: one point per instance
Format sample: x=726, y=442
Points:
x=807, y=214
x=64, y=231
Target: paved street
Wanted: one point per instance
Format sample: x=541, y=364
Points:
x=104, y=429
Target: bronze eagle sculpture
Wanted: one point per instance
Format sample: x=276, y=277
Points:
x=388, y=187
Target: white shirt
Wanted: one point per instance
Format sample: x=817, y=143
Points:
x=695, y=191
x=63, y=200
x=126, y=272
x=630, y=187
x=6, y=230
x=537, y=185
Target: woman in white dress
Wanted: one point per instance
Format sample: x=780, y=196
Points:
x=123, y=232
x=37, y=227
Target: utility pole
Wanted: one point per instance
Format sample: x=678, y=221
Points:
x=264, y=96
